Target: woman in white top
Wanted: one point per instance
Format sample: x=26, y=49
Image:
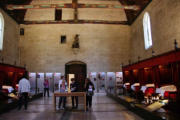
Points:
x=62, y=89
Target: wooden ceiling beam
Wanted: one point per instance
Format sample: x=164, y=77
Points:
x=68, y=5
x=75, y=6
x=76, y=22
x=60, y=0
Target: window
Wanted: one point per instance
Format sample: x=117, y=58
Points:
x=147, y=31
x=1, y=30
x=58, y=14
x=63, y=39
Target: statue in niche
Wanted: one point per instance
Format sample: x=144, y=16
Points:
x=76, y=42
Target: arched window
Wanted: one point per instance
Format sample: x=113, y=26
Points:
x=1, y=31
x=147, y=31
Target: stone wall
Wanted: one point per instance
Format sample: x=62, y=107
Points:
x=10, y=52
x=165, y=22
x=102, y=47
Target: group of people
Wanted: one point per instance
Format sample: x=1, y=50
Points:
x=24, y=90
x=74, y=87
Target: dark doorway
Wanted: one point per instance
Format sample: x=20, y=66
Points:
x=77, y=68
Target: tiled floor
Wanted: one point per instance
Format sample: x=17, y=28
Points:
x=103, y=108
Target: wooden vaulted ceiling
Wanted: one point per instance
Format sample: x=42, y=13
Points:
x=132, y=9
x=17, y=15
x=132, y=14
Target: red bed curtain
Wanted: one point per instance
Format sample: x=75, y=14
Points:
x=156, y=76
x=141, y=77
x=135, y=76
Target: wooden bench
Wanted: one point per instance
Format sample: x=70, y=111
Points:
x=79, y=94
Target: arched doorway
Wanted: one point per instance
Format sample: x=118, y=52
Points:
x=77, y=68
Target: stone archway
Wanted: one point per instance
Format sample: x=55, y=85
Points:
x=79, y=69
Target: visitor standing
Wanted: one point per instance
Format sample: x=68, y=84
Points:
x=89, y=92
x=62, y=89
x=74, y=88
x=23, y=92
x=46, y=87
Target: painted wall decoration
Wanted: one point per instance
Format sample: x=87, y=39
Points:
x=68, y=5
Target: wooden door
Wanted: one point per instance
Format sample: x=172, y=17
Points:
x=79, y=70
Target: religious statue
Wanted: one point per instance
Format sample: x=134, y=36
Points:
x=76, y=42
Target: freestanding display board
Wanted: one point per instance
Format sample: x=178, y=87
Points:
x=111, y=81
x=50, y=78
x=101, y=81
x=57, y=77
x=40, y=81
x=32, y=79
x=93, y=77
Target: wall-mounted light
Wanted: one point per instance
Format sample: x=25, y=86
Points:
x=153, y=53
x=146, y=68
x=139, y=58
x=121, y=64
x=135, y=70
x=175, y=45
x=129, y=62
x=2, y=60
x=24, y=65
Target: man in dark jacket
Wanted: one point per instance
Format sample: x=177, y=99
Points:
x=74, y=88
